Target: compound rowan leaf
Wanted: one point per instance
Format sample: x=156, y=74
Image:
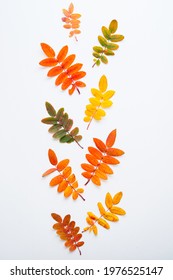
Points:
x=65, y=180
x=67, y=74
x=106, y=214
x=72, y=21
x=66, y=231
x=107, y=43
x=61, y=126
x=100, y=158
x=95, y=110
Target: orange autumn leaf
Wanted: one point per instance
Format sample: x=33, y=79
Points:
x=67, y=74
x=111, y=139
x=56, y=180
x=88, y=167
x=61, y=78
x=101, y=175
x=91, y=159
x=80, y=84
x=52, y=157
x=95, y=152
x=105, y=168
x=49, y=171
x=71, y=21
x=65, y=180
x=62, y=54
x=96, y=180
x=67, y=231
x=55, y=71
x=99, y=159
x=114, y=152
x=47, y=50
x=99, y=144
x=62, y=186
x=48, y=62
x=62, y=164
x=74, y=68
x=66, y=83
x=110, y=160
x=78, y=75
x=67, y=171
x=68, y=61
x=87, y=175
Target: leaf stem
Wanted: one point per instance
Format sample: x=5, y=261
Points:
x=78, y=143
x=78, y=90
x=94, y=64
x=76, y=39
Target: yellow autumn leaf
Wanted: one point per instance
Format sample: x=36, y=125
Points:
x=117, y=197
x=95, y=230
x=101, y=113
x=92, y=216
x=108, y=200
x=103, y=84
x=89, y=221
x=110, y=217
x=90, y=107
x=88, y=113
x=68, y=191
x=106, y=104
x=117, y=210
x=94, y=101
x=86, y=119
x=103, y=223
x=97, y=93
x=101, y=208
x=108, y=94
x=97, y=117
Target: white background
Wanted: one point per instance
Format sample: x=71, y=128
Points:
x=140, y=72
